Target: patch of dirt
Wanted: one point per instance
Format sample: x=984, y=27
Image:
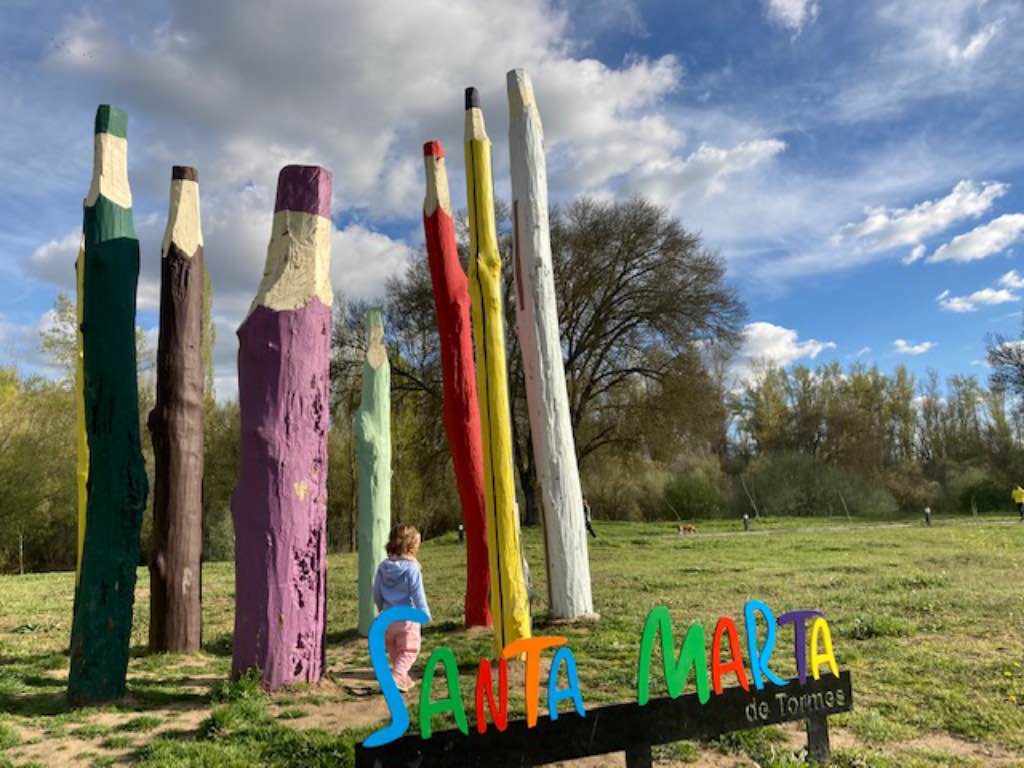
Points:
x=338, y=704
x=706, y=759
x=936, y=743
x=944, y=743
x=80, y=752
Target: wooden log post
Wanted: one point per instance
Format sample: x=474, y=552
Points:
x=372, y=432
x=639, y=756
x=554, y=449
x=105, y=597
x=279, y=506
x=176, y=427
x=818, y=747
x=461, y=408
x=510, y=608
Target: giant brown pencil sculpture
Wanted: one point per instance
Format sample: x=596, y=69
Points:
x=279, y=506
x=104, y=599
x=461, y=409
x=554, y=450
x=510, y=607
x=176, y=426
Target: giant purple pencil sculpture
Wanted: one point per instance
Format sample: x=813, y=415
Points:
x=279, y=506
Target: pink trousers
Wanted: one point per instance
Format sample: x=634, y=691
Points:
x=402, y=640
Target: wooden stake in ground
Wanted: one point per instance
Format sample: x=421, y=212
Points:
x=176, y=426
x=102, y=624
x=510, y=608
x=461, y=409
x=279, y=506
x=565, y=536
x=372, y=432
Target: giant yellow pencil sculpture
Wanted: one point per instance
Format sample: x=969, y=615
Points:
x=509, y=603
x=82, y=470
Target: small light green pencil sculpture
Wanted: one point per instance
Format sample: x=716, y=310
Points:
x=372, y=430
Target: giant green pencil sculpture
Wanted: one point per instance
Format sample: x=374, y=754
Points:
x=373, y=447
x=102, y=624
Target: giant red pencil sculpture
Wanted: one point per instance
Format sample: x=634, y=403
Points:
x=461, y=409
x=176, y=426
x=279, y=506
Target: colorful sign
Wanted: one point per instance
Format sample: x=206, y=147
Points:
x=691, y=660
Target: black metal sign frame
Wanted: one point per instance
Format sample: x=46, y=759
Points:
x=624, y=727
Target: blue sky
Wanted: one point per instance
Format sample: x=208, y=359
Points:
x=860, y=166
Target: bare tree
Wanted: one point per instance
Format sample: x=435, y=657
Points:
x=638, y=298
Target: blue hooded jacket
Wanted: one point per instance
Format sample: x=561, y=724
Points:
x=399, y=582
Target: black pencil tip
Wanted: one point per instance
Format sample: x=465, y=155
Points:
x=472, y=98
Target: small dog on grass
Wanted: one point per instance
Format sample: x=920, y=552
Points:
x=686, y=528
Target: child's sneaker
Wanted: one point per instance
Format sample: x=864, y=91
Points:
x=404, y=683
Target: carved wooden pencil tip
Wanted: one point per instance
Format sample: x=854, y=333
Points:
x=475, y=128
x=437, y=180
x=520, y=90
x=111, y=120
x=184, y=173
x=305, y=189
x=184, y=225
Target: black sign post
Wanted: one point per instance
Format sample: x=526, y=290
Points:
x=631, y=728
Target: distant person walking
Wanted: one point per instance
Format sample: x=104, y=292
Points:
x=1018, y=499
x=588, y=518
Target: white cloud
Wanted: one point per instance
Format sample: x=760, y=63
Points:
x=982, y=241
x=776, y=344
x=915, y=254
x=1012, y=280
x=54, y=261
x=976, y=44
x=927, y=49
x=362, y=260
x=861, y=352
x=792, y=14
x=885, y=228
x=703, y=172
x=904, y=347
x=334, y=92
x=20, y=344
x=970, y=303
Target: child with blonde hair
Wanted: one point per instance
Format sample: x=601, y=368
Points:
x=400, y=582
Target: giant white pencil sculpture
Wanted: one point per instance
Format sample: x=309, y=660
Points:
x=554, y=450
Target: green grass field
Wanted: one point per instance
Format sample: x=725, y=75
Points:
x=929, y=621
